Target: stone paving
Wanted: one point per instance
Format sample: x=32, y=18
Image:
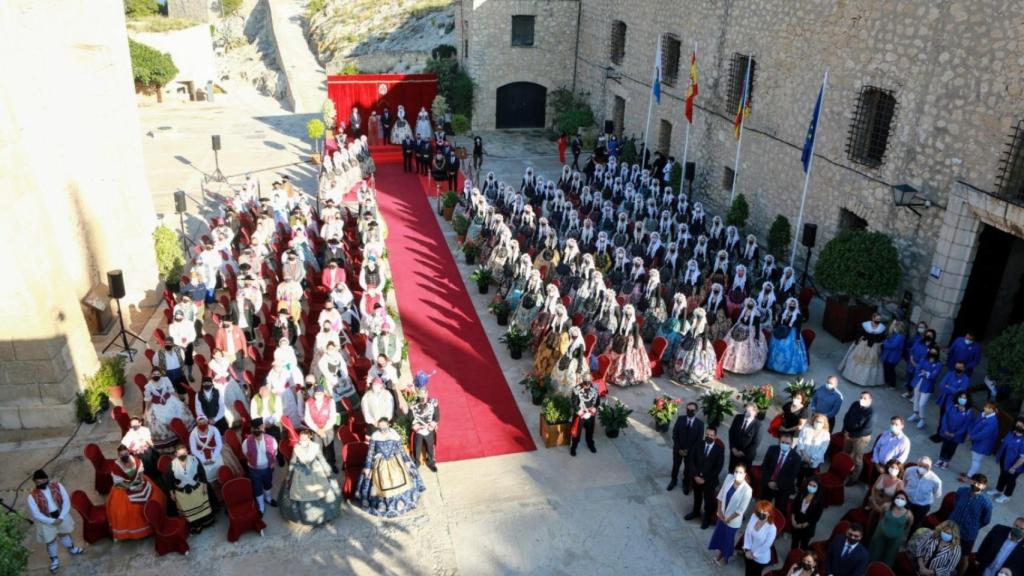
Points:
x=540, y=512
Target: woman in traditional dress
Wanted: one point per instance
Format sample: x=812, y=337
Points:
x=540, y=324
x=511, y=288
x=602, y=319
x=423, y=128
x=390, y=485
x=230, y=389
x=746, y=350
x=632, y=285
x=788, y=287
x=572, y=366
x=691, y=285
x=738, y=290
x=862, y=364
x=401, y=130
x=190, y=490
x=630, y=365
x=163, y=406
x=719, y=322
x=529, y=303
x=207, y=446
x=128, y=497
x=310, y=494
x=374, y=131
x=787, y=353
x=588, y=293
x=694, y=361
x=767, y=305
x=673, y=327
x=552, y=343
x=652, y=306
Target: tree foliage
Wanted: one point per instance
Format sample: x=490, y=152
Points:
x=460, y=124
x=739, y=212
x=13, y=553
x=571, y=111
x=860, y=264
x=329, y=112
x=780, y=237
x=136, y=8
x=170, y=260
x=150, y=66
x=1005, y=356
x=453, y=83
x=231, y=6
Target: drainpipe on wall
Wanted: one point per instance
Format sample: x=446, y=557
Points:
x=576, y=59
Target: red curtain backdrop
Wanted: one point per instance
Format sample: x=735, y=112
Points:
x=369, y=92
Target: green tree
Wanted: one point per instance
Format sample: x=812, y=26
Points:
x=230, y=6
x=151, y=67
x=739, y=212
x=454, y=84
x=138, y=8
x=1005, y=354
x=860, y=264
x=170, y=260
x=315, y=130
x=675, y=178
x=571, y=111
x=13, y=553
x=780, y=237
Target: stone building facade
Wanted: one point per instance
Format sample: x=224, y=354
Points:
x=76, y=201
x=954, y=70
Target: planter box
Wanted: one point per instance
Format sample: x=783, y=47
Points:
x=554, y=434
x=447, y=212
x=843, y=317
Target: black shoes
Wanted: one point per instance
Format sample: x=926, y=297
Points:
x=572, y=452
x=593, y=450
x=691, y=516
x=671, y=486
x=432, y=466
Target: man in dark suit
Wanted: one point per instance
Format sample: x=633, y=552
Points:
x=779, y=471
x=1003, y=547
x=408, y=150
x=846, y=555
x=686, y=433
x=705, y=466
x=744, y=436
x=453, y=170
x=385, y=123
x=426, y=152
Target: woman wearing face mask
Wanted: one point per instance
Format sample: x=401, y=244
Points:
x=892, y=352
x=807, y=566
x=936, y=553
x=806, y=512
x=892, y=530
x=190, y=490
x=926, y=374
x=127, y=500
x=746, y=349
x=918, y=351
x=812, y=443
x=1011, y=462
x=733, y=499
x=390, y=485
x=984, y=435
x=310, y=494
x=862, y=364
x=787, y=353
x=758, y=538
x=886, y=487
x=953, y=428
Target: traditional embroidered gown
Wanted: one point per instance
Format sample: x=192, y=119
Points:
x=862, y=364
x=673, y=328
x=719, y=322
x=208, y=446
x=572, y=367
x=654, y=311
x=788, y=354
x=310, y=494
x=127, y=500
x=527, y=310
x=390, y=485
x=191, y=492
x=553, y=345
x=695, y=365
x=746, y=349
x=602, y=320
x=630, y=366
x=162, y=406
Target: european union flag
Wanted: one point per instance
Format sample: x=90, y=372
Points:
x=812, y=130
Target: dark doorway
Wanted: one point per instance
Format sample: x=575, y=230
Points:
x=850, y=221
x=993, y=299
x=619, y=114
x=521, y=105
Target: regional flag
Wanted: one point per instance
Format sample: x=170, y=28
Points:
x=691, y=94
x=812, y=130
x=656, y=85
x=744, y=108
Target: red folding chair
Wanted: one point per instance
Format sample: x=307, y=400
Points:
x=171, y=534
x=102, y=481
x=808, y=335
x=347, y=436
x=140, y=382
x=589, y=340
x=603, y=364
x=243, y=413
x=94, y=518
x=654, y=355
x=231, y=441
x=179, y=429
x=879, y=569
x=224, y=475
x=577, y=320
x=820, y=548
x=833, y=482
x=200, y=361
x=150, y=355
x=243, y=514
x=121, y=417
x=353, y=457
x=163, y=464
x=719, y=346
x=160, y=338
x=792, y=558
x=942, y=514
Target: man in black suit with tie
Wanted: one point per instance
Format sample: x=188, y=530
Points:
x=453, y=170
x=704, y=466
x=846, y=555
x=1003, y=547
x=687, y=433
x=407, y=152
x=779, y=471
x=744, y=436
x=385, y=123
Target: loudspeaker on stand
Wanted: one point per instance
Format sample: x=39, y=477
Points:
x=810, y=233
x=115, y=282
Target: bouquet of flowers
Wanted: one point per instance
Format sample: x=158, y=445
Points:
x=760, y=396
x=664, y=409
x=805, y=385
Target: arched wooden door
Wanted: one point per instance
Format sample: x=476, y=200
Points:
x=521, y=105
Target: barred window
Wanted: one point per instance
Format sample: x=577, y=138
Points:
x=670, y=48
x=728, y=175
x=737, y=75
x=664, y=137
x=522, y=30
x=1011, y=172
x=871, y=127
x=618, y=43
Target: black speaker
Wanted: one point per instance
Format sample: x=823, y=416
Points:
x=691, y=171
x=216, y=141
x=609, y=126
x=809, y=235
x=179, y=202
x=115, y=281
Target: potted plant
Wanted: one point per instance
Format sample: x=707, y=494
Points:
x=854, y=266
x=556, y=420
x=170, y=259
x=801, y=385
x=482, y=276
x=470, y=250
x=614, y=417
x=89, y=403
x=536, y=386
x=501, y=309
x=1005, y=357
x=716, y=405
x=315, y=130
x=448, y=201
x=760, y=396
x=460, y=224
x=109, y=379
x=516, y=341
x=663, y=410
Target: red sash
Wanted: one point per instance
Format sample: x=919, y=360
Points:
x=40, y=499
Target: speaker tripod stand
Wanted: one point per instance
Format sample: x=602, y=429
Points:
x=123, y=334
x=806, y=279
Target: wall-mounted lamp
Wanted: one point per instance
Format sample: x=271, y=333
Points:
x=906, y=196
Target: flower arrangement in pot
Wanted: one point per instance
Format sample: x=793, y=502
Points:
x=501, y=310
x=536, y=386
x=470, y=251
x=614, y=417
x=760, y=396
x=716, y=406
x=663, y=410
x=801, y=385
x=482, y=276
x=516, y=341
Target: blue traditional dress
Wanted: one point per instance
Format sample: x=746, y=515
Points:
x=672, y=329
x=392, y=486
x=787, y=353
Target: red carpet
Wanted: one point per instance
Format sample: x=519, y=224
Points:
x=479, y=416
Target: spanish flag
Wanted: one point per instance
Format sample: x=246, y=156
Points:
x=744, y=108
x=691, y=94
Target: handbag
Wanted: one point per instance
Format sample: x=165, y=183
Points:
x=388, y=475
x=774, y=425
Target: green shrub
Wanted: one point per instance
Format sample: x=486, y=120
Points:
x=443, y=51
x=454, y=84
x=1005, y=356
x=315, y=129
x=110, y=374
x=13, y=553
x=230, y=6
x=314, y=7
x=150, y=66
x=860, y=264
x=571, y=111
x=439, y=107
x=557, y=409
x=780, y=237
x=349, y=69
x=170, y=260
x=141, y=7
x=460, y=124
x=675, y=178
x=89, y=403
x=739, y=212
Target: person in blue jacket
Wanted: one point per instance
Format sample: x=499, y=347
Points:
x=918, y=352
x=892, y=351
x=984, y=435
x=953, y=428
x=951, y=384
x=964, y=350
x=1011, y=462
x=913, y=338
x=925, y=377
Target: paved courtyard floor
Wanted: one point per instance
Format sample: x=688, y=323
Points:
x=539, y=512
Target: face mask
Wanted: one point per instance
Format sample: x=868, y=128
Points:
x=182, y=457
x=136, y=426
x=900, y=502
x=977, y=488
x=784, y=448
x=818, y=425
x=894, y=471
x=933, y=357
x=851, y=541
x=762, y=516
x=921, y=329
x=739, y=475
x=946, y=537
x=807, y=566
x=959, y=371
x=812, y=489
x=125, y=457
x=691, y=413
x=208, y=386
x=961, y=401
x=1016, y=533
x=968, y=341
x=1018, y=431
x=709, y=441
x=865, y=403
x=42, y=485
x=894, y=429
x=257, y=432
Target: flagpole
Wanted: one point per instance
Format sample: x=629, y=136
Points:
x=686, y=139
x=743, y=120
x=650, y=106
x=807, y=176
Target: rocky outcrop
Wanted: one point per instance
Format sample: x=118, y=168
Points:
x=376, y=36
